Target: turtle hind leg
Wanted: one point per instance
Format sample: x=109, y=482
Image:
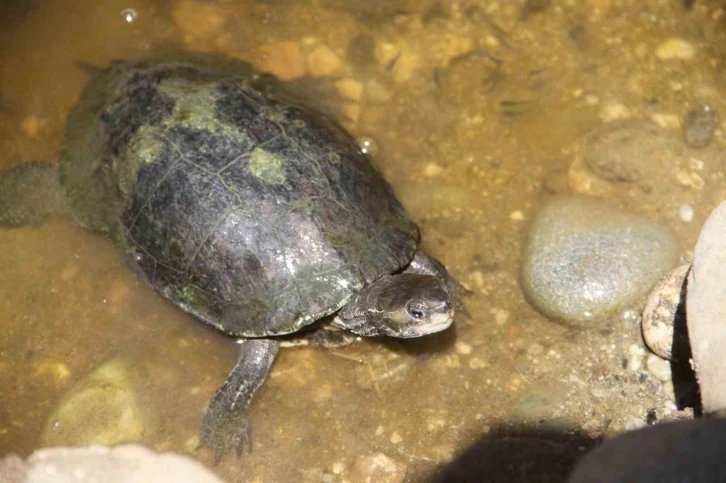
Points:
x=225, y=424
x=29, y=193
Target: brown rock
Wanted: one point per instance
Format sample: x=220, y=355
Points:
x=282, y=59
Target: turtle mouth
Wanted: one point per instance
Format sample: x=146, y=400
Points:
x=438, y=323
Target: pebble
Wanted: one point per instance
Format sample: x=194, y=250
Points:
x=282, y=59
x=675, y=48
x=686, y=213
x=463, y=348
x=323, y=62
x=626, y=150
x=586, y=261
x=516, y=216
x=699, y=127
x=377, y=468
x=633, y=423
x=661, y=309
x=349, y=89
x=101, y=409
x=659, y=368
x=432, y=170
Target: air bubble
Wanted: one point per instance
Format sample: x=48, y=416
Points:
x=129, y=15
x=367, y=146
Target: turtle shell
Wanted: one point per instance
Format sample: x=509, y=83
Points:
x=252, y=213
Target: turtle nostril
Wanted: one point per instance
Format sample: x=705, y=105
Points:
x=447, y=306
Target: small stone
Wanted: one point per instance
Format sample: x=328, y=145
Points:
x=586, y=261
x=686, y=213
x=661, y=312
x=516, y=216
x=613, y=111
x=463, y=348
x=323, y=62
x=691, y=180
x=599, y=392
x=669, y=390
x=432, y=170
x=349, y=89
x=501, y=316
x=377, y=468
x=675, y=48
x=625, y=150
x=282, y=59
x=396, y=438
x=659, y=368
x=699, y=127
x=633, y=423
x=666, y=121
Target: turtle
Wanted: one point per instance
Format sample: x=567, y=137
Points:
x=244, y=207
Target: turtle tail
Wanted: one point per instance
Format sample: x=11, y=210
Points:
x=29, y=193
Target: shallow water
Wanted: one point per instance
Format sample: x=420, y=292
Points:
x=475, y=107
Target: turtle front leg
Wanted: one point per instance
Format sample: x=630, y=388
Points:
x=426, y=265
x=226, y=424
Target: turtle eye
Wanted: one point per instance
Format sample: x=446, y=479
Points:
x=416, y=309
x=417, y=314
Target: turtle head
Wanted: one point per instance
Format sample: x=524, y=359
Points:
x=404, y=306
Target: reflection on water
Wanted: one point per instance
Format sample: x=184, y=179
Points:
x=473, y=108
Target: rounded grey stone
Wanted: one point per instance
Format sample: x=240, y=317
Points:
x=585, y=260
x=626, y=150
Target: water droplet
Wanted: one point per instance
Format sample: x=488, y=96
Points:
x=367, y=146
x=129, y=15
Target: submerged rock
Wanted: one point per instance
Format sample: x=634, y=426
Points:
x=626, y=150
x=123, y=464
x=102, y=409
x=699, y=127
x=585, y=260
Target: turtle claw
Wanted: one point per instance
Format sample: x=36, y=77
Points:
x=223, y=430
x=225, y=424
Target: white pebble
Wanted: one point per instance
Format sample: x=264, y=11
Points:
x=675, y=48
x=634, y=423
x=659, y=368
x=685, y=212
x=516, y=216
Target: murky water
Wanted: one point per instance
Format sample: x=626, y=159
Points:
x=475, y=107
